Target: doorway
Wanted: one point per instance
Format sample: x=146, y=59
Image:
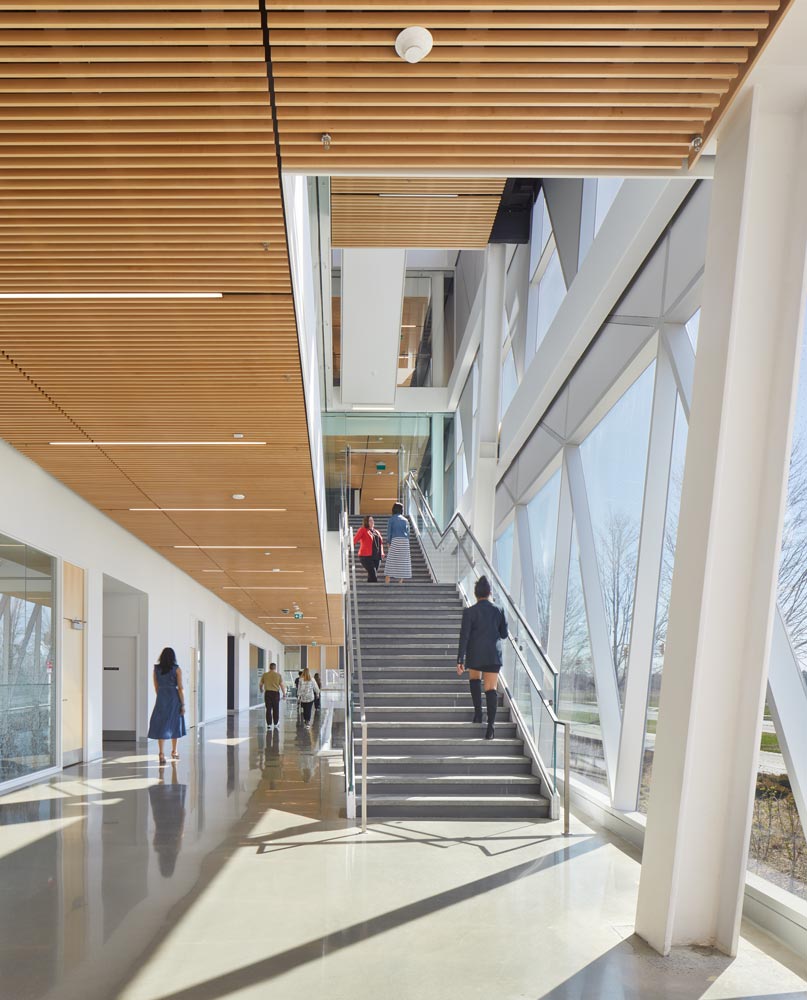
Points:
x=125, y=670
x=230, y=673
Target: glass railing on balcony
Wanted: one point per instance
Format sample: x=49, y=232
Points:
x=529, y=678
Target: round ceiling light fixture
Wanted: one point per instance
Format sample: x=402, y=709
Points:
x=239, y=496
x=414, y=44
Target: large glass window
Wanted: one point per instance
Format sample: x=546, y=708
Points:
x=778, y=850
x=27, y=650
x=607, y=190
x=542, y=515
x=503, y=556
x=614, y=463
x=545, y=297
x=577, y=694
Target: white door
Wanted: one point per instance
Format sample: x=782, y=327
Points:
x=190, y=680
x=120, y=686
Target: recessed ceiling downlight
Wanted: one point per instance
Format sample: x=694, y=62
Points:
x=414, y=44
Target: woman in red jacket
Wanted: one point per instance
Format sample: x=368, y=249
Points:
x=371, y=548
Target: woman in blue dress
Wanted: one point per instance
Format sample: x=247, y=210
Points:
x=168, y=718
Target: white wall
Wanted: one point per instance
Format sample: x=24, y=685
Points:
x=38, y=510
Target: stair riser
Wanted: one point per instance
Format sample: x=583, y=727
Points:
x=450, y=714
x=460, y=810
x=394, y=748
x=380, y=787
x=490, y=765
x=437, y=701
x=436, y=730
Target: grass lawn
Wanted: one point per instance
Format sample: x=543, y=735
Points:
x=770, y=742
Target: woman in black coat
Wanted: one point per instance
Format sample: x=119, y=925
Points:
x=483, y=628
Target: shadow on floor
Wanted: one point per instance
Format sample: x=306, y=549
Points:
x=317, y=949
x=632, y=970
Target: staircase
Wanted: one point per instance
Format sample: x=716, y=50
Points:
x=425, y=758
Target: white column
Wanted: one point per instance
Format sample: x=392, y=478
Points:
x=490, y=363
x=560, y=573
x=438, y=329
x=729, y=533
x=438, y=468
x=648, y=573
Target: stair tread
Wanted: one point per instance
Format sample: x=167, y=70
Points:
x=421, y=758
x=479, y=799
x=440, y=741
x=396, y=778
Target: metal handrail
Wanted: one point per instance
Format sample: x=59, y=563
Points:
x=551, y=781
x=353, y=641
x=423, y=505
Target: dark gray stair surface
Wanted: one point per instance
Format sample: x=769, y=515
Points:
x=426, y=758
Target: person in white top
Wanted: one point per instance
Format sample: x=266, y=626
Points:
x=307, y=692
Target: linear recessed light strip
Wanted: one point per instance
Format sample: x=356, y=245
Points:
x=235, y=546
x=110, y=295
x=150, y=444
x=289, y=587
x=210, y=510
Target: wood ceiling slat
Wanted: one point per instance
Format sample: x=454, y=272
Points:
x=92, y=38
x=76, y=70
x=441, y=99
x=381, y=185
x=570, y=20
x=472, y=39
x=596, y=52
x=519, y=5
x=70, y=16
x=430, y=70
x=310, y=89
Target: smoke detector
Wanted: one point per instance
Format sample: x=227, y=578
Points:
x=414, y=44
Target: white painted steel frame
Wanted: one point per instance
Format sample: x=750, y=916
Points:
x=602, y=661
x=646, y=590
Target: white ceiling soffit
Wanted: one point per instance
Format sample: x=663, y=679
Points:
x=372, y=298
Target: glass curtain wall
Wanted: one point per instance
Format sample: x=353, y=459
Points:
x=614, y=464
x=28, y=705
x=542, y=516
x=778, y=849
x=503, y=556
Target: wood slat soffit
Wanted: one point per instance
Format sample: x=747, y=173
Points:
x=410, y=212
x=512, y=88
x=138, y=154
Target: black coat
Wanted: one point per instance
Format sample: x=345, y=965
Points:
x=483, y=627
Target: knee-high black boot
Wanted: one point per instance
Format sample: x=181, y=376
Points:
x=492, y=700
x=476, y=698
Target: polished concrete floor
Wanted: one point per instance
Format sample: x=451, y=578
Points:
x=231, y=874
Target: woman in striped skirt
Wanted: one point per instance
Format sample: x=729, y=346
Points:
x=399, y=563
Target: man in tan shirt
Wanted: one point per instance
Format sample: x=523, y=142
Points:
x=272, y=686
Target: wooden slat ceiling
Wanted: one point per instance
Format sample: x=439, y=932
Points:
x=516, y=87
x=137, y=154
x=412, y=212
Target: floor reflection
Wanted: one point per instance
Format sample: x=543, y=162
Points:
x=93, y=860
x=167, y=800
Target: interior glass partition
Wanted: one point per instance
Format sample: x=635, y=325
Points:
x=426, y=350
x=28, y=705
x=382, y=448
